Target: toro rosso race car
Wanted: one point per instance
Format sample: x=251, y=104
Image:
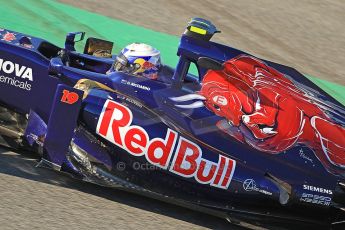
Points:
x=248, y=139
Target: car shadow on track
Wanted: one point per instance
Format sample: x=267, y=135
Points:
x=23, y=165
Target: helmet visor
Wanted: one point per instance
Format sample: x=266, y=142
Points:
x=120, y=63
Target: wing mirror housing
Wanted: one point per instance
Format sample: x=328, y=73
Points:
x=72, y=38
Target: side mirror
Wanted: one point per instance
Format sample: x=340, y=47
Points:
x=72, y=38
x=55, y=66
x=79, y=36
x=209, y=63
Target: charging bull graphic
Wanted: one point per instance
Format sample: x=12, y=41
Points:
x=266, y=110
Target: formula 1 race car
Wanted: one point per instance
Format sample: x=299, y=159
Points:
x=248, y=139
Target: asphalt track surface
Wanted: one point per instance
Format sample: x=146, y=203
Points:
x=308, y=35
x=38, y=198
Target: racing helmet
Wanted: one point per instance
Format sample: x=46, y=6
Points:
x=138, y=59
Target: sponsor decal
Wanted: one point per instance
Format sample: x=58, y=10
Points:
x=25, y=45
x=316, y=199
x=173, y=153
x=23, y=75
x=130, y=100
x=9, y=67
x=250, y=185
x=136, y=85
x=317, y=189
x=69, y=97
x=305, y=157
x=28, y=46
x=8, y=37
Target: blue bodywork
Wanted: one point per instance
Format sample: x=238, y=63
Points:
x=261, y=185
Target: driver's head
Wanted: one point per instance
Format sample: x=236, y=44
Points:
x=138, y=59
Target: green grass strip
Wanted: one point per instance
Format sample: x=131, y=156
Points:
x=52, y=20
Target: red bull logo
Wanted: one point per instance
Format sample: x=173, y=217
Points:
x=147, y=68
x=174, y=153
x=148, y=65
